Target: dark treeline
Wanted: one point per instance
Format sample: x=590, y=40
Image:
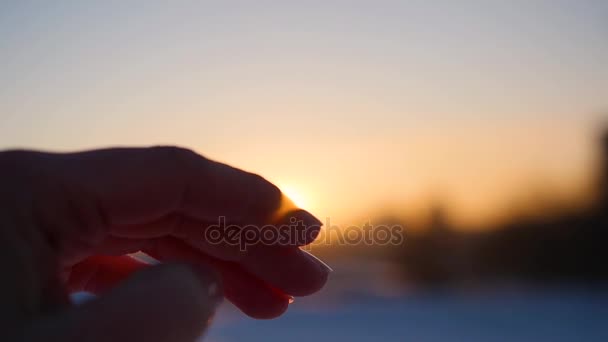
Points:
x=563, y=247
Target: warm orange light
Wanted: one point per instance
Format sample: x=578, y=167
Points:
x=297, y=196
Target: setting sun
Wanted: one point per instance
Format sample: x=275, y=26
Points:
x=296, y=196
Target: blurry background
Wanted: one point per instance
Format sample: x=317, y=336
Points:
x=477, y=125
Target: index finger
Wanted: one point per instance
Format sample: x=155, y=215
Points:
x=135, y=185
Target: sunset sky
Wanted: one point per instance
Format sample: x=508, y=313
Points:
x=353, y=107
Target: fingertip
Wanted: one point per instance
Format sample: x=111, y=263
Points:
x=291, y=270
x=267, y=309
x=210, y=281
x=311, y=286
x=303, y=227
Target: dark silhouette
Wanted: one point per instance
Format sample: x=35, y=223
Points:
x=568, y=247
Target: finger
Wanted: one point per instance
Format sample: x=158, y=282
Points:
x=253, y=296
x=135, y=185
x=216, y=239
x=295, y=228
x=130, y=186
x=290, y=270
x=160, y=304
x=98, y=274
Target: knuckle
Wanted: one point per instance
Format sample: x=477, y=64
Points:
x=178, y=156
x=181, y=162
x=268, y=196
x=173, y=151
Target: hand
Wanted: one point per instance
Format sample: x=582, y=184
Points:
x=67, y=221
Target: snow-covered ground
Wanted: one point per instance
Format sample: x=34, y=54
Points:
x=536, y=315
x=363, y=301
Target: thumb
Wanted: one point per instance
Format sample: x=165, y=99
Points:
x=161, y=303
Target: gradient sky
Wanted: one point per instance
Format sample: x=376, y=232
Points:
x=352, y=106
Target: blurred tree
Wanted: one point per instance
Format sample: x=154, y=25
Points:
x=558, y=247
x=603, y=182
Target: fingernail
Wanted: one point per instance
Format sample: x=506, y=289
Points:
x=213, y=290
x=211, y=283
x=324, y=267
x=291, y=299
x=302, y=215
x=215, y=294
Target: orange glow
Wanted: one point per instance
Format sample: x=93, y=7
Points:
x=296, y=196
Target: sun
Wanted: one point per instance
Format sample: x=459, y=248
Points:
x=296, y=196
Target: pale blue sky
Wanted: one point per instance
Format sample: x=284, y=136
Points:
x=393, y=98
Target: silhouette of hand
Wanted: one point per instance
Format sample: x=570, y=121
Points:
x=67, y=221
